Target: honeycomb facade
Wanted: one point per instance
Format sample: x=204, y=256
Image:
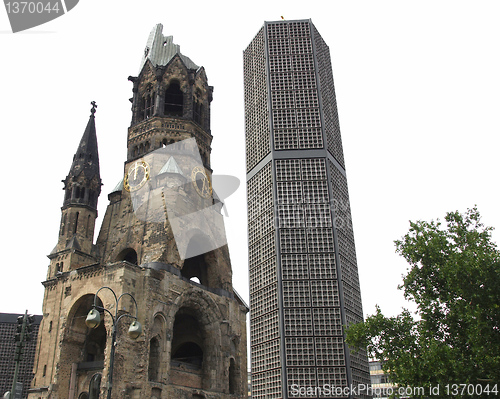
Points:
x=304, y=284
x=8, y=328
x=193, y=343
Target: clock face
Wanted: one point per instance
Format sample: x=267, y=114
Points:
x=137, y=176
x=201, y=182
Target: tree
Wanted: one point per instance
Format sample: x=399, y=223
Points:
x=454, y=279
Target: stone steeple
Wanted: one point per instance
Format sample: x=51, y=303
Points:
x=82, y=187
x=83, y=183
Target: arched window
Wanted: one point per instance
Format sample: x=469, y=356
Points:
x=197, y=112
x=75, y=227
x=142, y=106
x=95, y=386
x=154, y=359
x=63, y=224
x=129, y=255
x=187, y=342
x=174, y=100
x=149, y=105
x=95, y=343
x=156, y=344
x=195, y=267
x=81, y=344
x=198, y=107
x=203, y=266
x=232, y=377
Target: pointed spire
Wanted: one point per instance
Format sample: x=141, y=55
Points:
x=83, y=183
x=86, y=158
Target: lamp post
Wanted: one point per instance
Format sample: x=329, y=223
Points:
x=94, y=319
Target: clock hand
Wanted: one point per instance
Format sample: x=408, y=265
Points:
x=135, y=171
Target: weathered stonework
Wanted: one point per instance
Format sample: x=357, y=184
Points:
x=193, y=343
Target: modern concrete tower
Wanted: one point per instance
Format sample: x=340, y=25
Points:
x=304, y=284
x=160, y=256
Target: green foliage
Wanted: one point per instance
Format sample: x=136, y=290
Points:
x=454, y=279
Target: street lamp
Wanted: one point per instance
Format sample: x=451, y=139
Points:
x=94, y=319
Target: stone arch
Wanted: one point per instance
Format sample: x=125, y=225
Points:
x=128, y=255
x=146, y=96
x=154, y=359
x=234, y=374
x=94, y=340
x=194, y=329
x=156, y=348
x=81, y=344
x=188, y=340
x=201, y=302
x=198, y=109
x=205, y=264
x=95, y=386
x=173, y=99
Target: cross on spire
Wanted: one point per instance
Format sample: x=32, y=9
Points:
x=94, y=107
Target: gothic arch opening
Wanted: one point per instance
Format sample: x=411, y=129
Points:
x=92, y=341
x=194, y=325
x=82, y=345
x=198, y=107
x=75, y=225
x=232, y=377
x=154, y=359
x=202, y=268
x=63, y=223
x=156, y=347
x=128, y=255
x=95, y=386
x=174, y=100
x=196, y=268
x=149, y=105
x=187, y=341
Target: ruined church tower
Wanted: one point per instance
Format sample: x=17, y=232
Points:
x=162, y=241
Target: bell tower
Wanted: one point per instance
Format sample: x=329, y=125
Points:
x=161, y=250
x=171, y=100
x=82, y=188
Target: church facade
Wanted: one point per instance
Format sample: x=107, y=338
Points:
x=160, y=258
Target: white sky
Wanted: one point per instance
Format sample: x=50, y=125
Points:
x=417, y=87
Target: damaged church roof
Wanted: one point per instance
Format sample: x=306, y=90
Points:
x=161, y=49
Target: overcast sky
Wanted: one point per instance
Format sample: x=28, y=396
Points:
x=417, y=88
